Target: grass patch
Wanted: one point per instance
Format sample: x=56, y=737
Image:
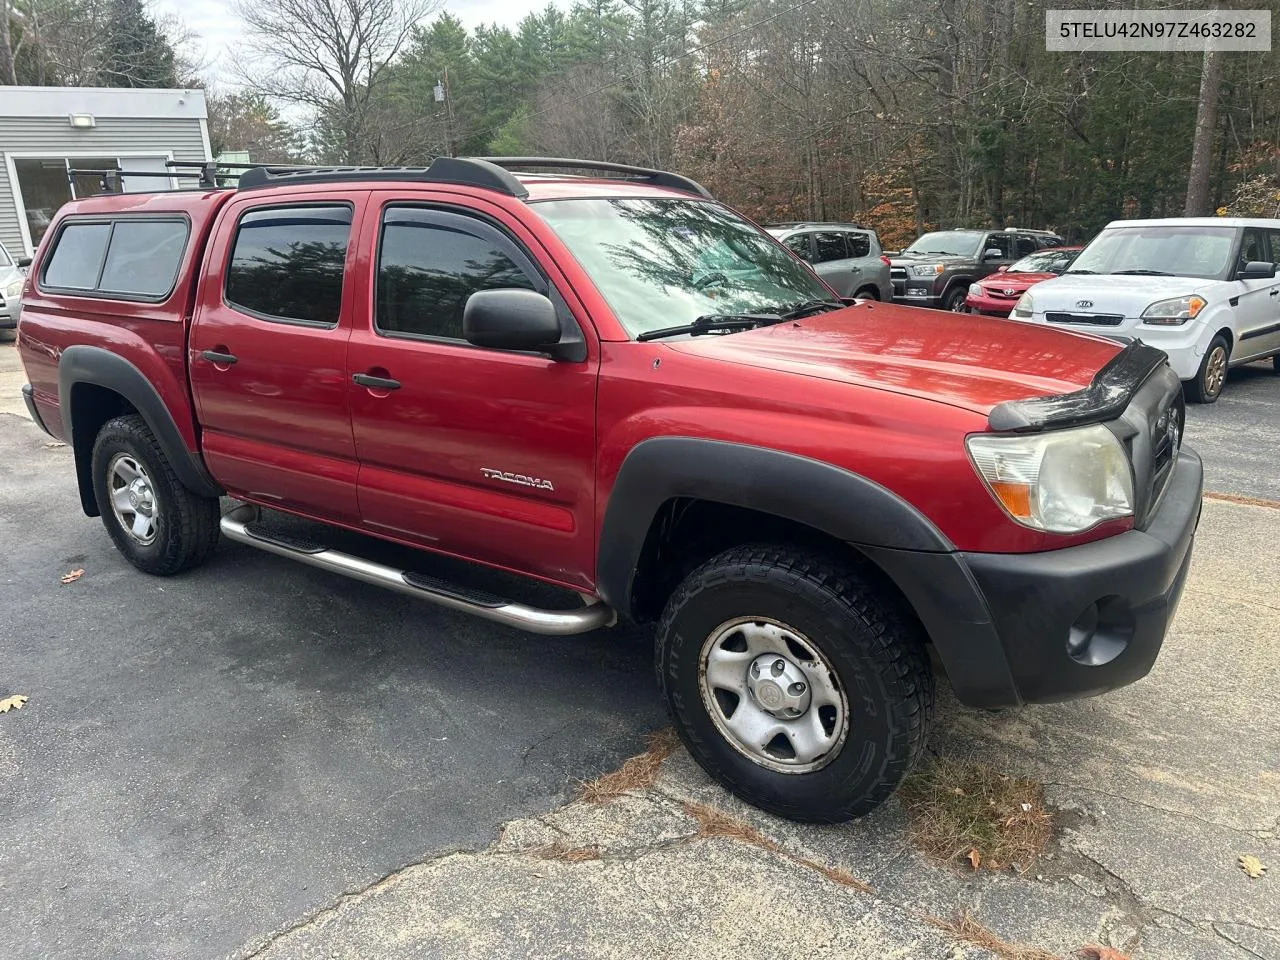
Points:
x=637, y=773
x=972, y=813
x=965, y=928
x=565, y=853
x=713, y=822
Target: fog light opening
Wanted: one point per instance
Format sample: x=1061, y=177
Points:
x=1101, y=632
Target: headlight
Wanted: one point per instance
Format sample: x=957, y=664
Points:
x=1173, y=312
x=1025, y=306
x=977, y=291
x=1064, y=482
x=13, y=289
x=926, y=270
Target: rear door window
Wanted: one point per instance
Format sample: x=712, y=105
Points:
x=129, y=258
x=287, y=263
x=830, y=247
x=859, y=244
x=1024, y=245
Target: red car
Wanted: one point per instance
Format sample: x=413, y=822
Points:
x=996, y=294
x=642, y=408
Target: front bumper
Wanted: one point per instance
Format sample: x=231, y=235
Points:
x=991, y=306
x=8, y=314
x=1075, y=622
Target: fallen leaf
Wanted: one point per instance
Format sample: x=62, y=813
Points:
x=1251, y=865
x=13, y=703
x=73, y=576
x=975, y=858
x=55, y=443
x=1095, y=952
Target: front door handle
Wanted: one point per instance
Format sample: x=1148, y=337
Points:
x=215, y=356
x=375, y=383
x=1276, y=292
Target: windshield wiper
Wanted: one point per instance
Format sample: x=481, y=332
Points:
x=1083, y=271
x=806, y=308
x=714, y=322
x=1141, y=273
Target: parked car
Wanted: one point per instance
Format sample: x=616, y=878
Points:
x=520, y=371
x=996, y=295
x=1202, y=289
x=12, y=276
x=847, y=256
x=937, y=269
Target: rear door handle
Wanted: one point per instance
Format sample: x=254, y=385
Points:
x=213, y=356
x=376, y=383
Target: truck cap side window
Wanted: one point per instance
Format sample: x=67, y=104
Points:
x=128, y=258
x=429, y=263
x=287, y=263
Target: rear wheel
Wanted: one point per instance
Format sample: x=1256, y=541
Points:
x=1212, y=375
x=955, y=301
x=1275, y=363
x=158, y=524
x=795, y=682
x=867, y=293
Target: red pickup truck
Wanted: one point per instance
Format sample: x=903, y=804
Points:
x=609, y=383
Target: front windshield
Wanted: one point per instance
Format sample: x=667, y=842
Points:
x=1046, y=261
x=663, y=263
x=1159, y=250
x=4, y=257
x=947, y=242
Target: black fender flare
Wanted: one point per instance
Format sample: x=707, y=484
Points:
x=94, y=365
x=958, y=281
x=885, y=528
x=838, y=502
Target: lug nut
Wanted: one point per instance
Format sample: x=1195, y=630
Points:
x=797, y=689
x=779, y=666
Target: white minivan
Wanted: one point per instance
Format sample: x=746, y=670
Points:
x=1202, y=289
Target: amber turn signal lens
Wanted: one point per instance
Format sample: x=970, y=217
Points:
x=1016, y=498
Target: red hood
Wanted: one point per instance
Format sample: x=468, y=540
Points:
x=968, y=361
x=1018, y=281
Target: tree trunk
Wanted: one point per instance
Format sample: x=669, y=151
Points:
x=1198, y=204
x=8, y=70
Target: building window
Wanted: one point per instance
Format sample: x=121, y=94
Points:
x=46, y=183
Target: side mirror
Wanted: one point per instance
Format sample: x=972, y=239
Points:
x=24, y=263
x=510, y=319
x=991, y=253
x=1257, y=270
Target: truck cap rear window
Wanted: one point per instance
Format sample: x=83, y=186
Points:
x=128, y=258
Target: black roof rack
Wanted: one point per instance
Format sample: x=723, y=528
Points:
x=490, y=173
x=658, y=178
x=462, y=170
x=206, y=173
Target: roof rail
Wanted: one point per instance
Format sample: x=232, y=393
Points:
x=461, y=170
x=659, y=178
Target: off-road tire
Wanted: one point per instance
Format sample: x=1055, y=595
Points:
x=955, y=300
x=186, y=523
x=1275, y=363
x=874, y=645
x=1201, y=390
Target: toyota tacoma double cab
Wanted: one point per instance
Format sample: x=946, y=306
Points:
x=938, y=268
x=519, y=364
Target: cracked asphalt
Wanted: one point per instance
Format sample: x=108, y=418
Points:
x=258, y=760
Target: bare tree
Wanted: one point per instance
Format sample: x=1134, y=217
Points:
x=1198, y=204
x=333, y=56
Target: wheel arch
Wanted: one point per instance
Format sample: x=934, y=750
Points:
x=661, y=478
x=96, y=385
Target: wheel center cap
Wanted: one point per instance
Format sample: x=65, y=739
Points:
x=779, y=686
x=140, y=495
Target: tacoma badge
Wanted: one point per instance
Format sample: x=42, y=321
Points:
x=520, y=478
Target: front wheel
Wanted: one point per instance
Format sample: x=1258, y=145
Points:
x=158, y=524
x=796, y=682
x=956, y=300
x=1212, y=375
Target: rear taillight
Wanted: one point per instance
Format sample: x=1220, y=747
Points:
x=884, y=260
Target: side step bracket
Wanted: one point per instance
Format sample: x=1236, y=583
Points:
x=240, y=525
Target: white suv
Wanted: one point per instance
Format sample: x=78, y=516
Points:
x=1204, y=290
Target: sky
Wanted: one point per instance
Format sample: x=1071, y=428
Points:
x=219, y=29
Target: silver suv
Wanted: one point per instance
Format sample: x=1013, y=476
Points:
x=845, y=255
x=12, y=273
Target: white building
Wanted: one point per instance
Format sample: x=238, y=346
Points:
x=45, y=132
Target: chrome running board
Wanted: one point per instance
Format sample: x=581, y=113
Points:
x=240, y=525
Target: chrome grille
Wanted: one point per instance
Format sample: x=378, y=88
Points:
x=898, y=277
